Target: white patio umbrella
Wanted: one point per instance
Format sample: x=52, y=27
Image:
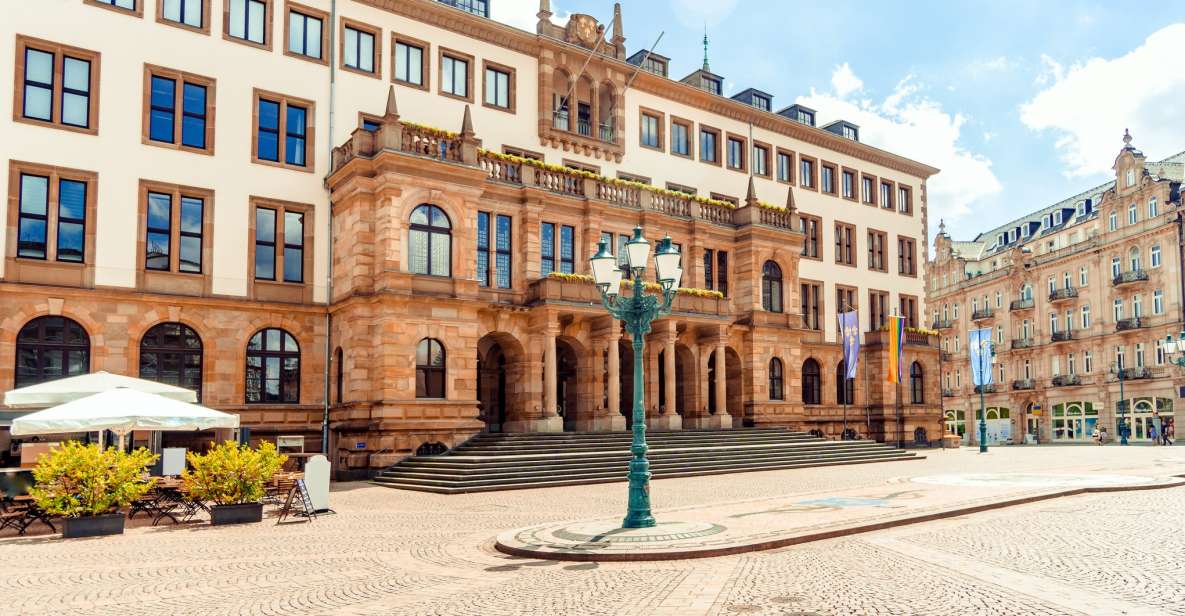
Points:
x=72, y=388
x=122, y=410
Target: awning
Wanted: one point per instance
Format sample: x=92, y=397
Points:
x=64, y=390
x=121, y=411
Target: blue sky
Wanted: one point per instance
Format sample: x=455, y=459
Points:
x=1021, y=104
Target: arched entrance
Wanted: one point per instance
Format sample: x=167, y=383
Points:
x=625, y=357
x=567, y=396
x=686, y=384
x=499, y=383
x=734, y=391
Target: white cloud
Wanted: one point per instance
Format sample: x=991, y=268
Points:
x=1051, y=70
x=1089, y=106
x=844, y=81
x=696, y=14
x=908, y=123
x=517, y=13
x=988, y=136
x=999, y=63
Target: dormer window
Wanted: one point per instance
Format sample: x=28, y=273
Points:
x=712, y=85
x=1057, y=218
x=1012, y=236
x=1131, y=177
x=1024, y=231
x=806, y=117
x=761, y=102
x=656, y=66
x=851, y=133
x=1047, y=221
x=1000, y=240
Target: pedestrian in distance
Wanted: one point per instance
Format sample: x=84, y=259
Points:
x=1152, y=434
x=1166, y=433
x=1097, y=437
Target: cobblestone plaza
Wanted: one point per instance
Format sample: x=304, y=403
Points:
x=395, y=552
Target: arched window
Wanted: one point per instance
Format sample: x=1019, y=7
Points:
x=812, y=382
x=430, y=241
x=917, y=388
x=775, y=380
x=1133, y=258
x=273, y=367
x=429, y=369
x=771, y=287
x=49, y=348
x=339, y=360
x=1026, y=292
x=172, y=353
x=845, y=389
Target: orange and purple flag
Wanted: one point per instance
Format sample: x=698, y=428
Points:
x=896, y=342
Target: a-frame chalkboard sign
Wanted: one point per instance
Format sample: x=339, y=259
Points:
x=298, y=503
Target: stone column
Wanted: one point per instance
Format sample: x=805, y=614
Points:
x=549, y=376
x=668, y=419
x=723, y=418
x=614, y=376
x=545, y=419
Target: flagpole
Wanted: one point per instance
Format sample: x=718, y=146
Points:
x=897, y=384
x=843, y=341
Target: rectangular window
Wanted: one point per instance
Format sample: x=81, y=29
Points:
x=283, y=131
x=905, y=204
x=785, y=167
x=188, y=13
x=483, y=249
x=361, y=48
x=679, y=188
x=265, y=243
x=845, y=244
x=159, y=225
x=124, y=5
x=622, y=258
x=499, y=87
x=455, y=74
x=180, y=106
x=57, y=85
x=736, y=154
x=1085, y=318
x=293, y=247
x=906, y=255
x=845, y=298
x=282, y=248
x=502, y=257
x=33, y=217
x=546, y=248
x=879, y=303
x=305, y=30
x=680, y=138
x=827, y=179
x=53, y=208
x=806, y=172
x=909, y=310
x=761, y=160
x=887, y=195
x=1158, y=302
x=709, y=147
x=248, y=21
x=810, y=296
x=811, y=229
x=722, y=272
x=410, y=62
x=1155, y=255
x=848, y=185
x=567, y=249
x=651, y=136
x=876, y=251
x=867, y=190
x=709, y=260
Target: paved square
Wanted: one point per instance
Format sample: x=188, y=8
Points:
x=395, y=552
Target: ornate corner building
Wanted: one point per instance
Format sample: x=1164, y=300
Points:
x=378, y=229
x=1079, y=296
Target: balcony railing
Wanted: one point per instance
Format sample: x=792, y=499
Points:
x=981, y=314
x=1023, y=343
x=606, y=133
x=584, y=127
x=985, y=389
x=1131, y=374
x=1124, y=325
x=946, y=356
x=1022, y=384
x=1066, y=380
x=1021, y=304
x=1129, y=277
x=559, y=120
x=948, y=393
x=1062, y=294
x=1061, y=336
x=942, y=324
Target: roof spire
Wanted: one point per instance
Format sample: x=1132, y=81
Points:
x=392, y=111
x=1127, y=139
x=706, y=48
x=618, y=34
x=544, y=16
x=941, y=227
x=751, y=193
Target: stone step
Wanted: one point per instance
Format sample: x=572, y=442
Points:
x=591, y=445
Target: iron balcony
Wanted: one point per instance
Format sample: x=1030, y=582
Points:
x=1066, y=380
x=1022, y=343
x=985, y=389
x=1063, y=294
x=981, y=314
x=1022, y=304
x=1130, y=374
x=1061, y=336
x=1130, y=277
x=943, y=324
x=1020, y=384
x=1124, y=325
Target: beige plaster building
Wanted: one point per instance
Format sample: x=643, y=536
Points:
x=1079, y=296
x=371, y=217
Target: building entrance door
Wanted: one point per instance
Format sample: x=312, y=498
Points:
x=1074, y=421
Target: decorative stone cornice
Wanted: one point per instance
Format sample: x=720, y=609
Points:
x=447, y=17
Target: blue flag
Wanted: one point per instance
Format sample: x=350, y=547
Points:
x=849, y=330
x=979, y=343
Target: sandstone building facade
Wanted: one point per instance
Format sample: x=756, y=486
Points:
x=1079, y=296
x=371, y=219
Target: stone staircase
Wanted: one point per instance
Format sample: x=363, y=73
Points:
x=489, y=462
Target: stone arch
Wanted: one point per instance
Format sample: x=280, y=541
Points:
x=573, y=380
x=138, y=329
x=686, y=381
x=606, y=109
x=734, y=390
x=501, y=379
x=308, y=368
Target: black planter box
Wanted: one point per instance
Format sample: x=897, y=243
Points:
x=236, y=514
x=93, y=526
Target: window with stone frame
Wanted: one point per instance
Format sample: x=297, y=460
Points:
x=811, y=228
x=430, y=369
x=171, y=353
x=811, y=300
x=248, y=22
x=306, y=32
x=175, y=237
x=877, y=251
x=178, y=110
x=282, y=134
x=878, y=302
x=411, y=64
x=281, y=250
x=49, y=348
x=192, y=15
x=51, y=223
x=56, y=85
x=776, y=390
x=907, y=256
x=845, y=243
x=273, y=368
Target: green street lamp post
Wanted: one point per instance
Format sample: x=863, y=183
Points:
x=1117, y=370
x=638, y=311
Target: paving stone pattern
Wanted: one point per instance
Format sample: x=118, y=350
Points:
x=395, y=552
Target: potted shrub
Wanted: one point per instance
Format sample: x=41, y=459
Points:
x=233, y=476
x=88, y=485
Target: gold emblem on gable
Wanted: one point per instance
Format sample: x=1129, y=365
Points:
x=583, y=30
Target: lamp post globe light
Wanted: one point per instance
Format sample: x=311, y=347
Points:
x=1174, y=350
x=638, y=311
x=1117, y=370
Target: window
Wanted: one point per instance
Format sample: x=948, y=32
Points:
x=305, y=31
x=771, y=287
x=775, y=380
x=867, y=193
x=879, y=303
x=273, y=368
x=709, y=146
x=456, y=78
x=1133, y=259
x=410, y=62
x=736, y=154
x=123, y=6
x=806, y=172
x=176, y=228
x=845, y=244
x=811, y=229
x=283, y=131
x=483, y=249
x=502, y=245
x=189, y=14
x=1158, y=302
x=722, y=272
x=180, y=110
x=785, y=166
x=1153, y=208
x=248, y=21
x=877, y=259
x=1117, y=310
x=845, y=298
x=906, y=256
x=810, y=294
x=1156, y=255
x=51, y=347
x=1131, y=214
x=1085, y=319
x=712, y=85
x=827, y=179
x=1131, y=177
x=848, y=185
x=1112, y=221
x=1083, y=276
x=279, y=244
x=917, y=385
x=999, y=299
x=171, y=353
x=1139, y=354
x=638, y=179
x=57, y=85
x=680, y=138
x=53, y=214
x=499, y=87
x=430, y=241
x=567, y=251
x=1137, y=306
x=845, y=388
x=339, y=382
x=905, y=205
x=651, y=132
x=361, y=48
x=812, y=383
x=887, y=195
x=430, y=369
x=761, y=160
x=909, y=309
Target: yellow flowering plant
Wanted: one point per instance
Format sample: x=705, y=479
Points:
x=231, y=474
x=75, y=480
